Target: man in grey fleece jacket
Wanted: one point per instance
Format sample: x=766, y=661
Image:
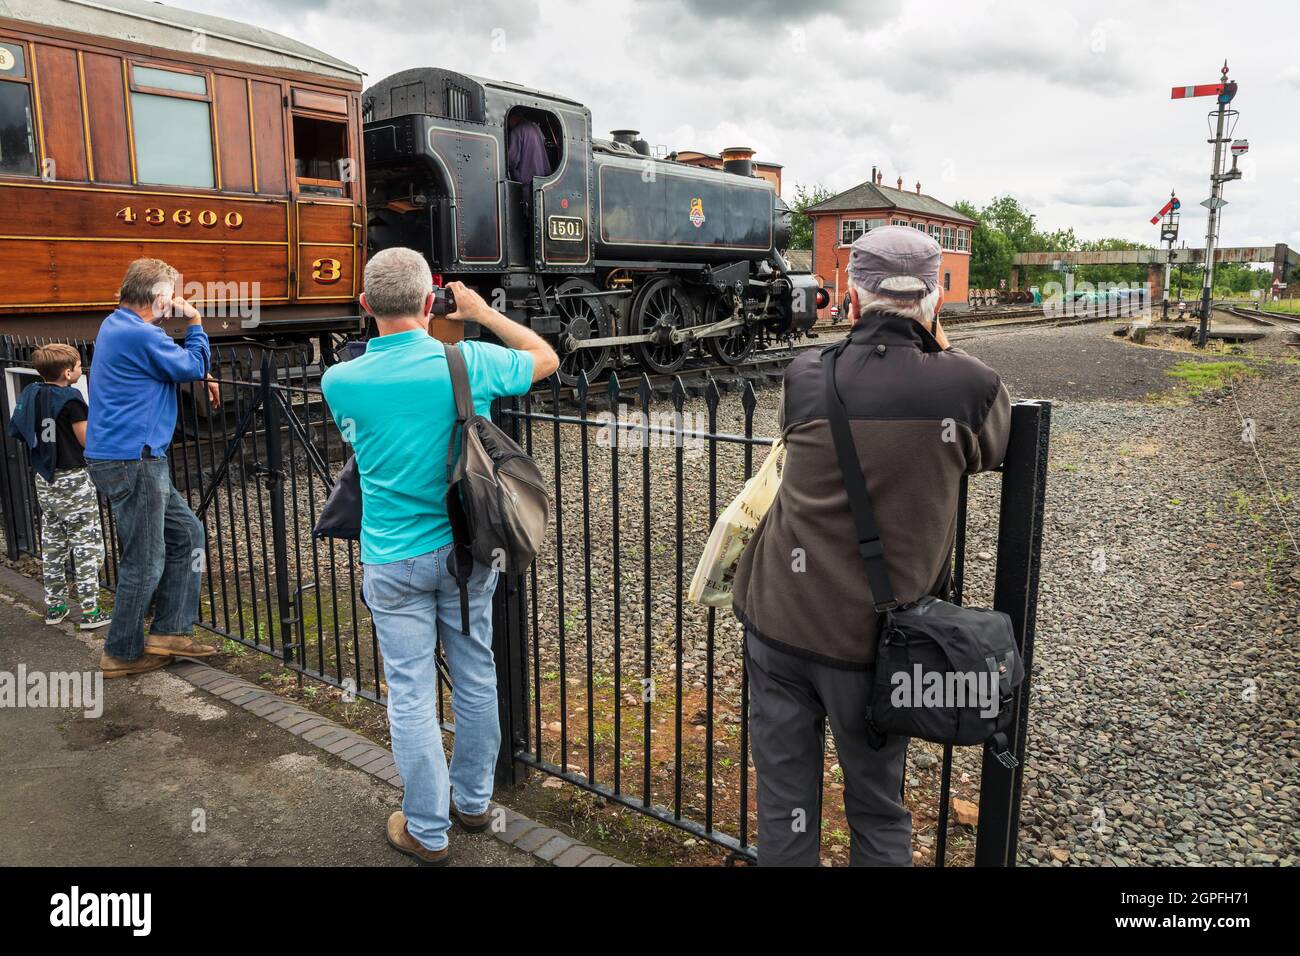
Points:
x=922, y=415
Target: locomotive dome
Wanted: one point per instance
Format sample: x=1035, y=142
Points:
x=169, y=29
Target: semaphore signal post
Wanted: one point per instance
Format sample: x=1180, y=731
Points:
x=1225, y=90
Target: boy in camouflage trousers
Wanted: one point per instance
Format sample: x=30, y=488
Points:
x=68, y=501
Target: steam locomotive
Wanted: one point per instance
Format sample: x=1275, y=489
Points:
x=616, y=256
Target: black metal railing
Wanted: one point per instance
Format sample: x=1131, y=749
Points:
x=607, y=676
x=600, y=638
x=256, y=471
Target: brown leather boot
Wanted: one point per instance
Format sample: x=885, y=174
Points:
x=176, y=645
x=401, y=840
x=472, y=822
x=116, y=667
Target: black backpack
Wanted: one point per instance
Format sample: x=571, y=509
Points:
x=933, y=656
x=496, y=497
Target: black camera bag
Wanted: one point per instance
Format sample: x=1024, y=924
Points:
x=937, y=663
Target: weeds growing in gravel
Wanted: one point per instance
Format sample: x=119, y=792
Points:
x=1203, y=376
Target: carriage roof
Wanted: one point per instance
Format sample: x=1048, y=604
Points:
x=168, y=28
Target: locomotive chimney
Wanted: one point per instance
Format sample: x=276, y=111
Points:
x=631, y=139
x=738, y=160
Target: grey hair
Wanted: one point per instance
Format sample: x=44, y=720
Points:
x=922, y=310
x=397, y=283
x=145, y=280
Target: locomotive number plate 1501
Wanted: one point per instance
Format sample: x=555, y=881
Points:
x=564, y=228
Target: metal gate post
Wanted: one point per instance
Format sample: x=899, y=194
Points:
x=19, y=528
x=510, y=648
x=275, y=492
x=1020, y=537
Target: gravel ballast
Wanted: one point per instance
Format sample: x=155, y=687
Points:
x=1164, y=700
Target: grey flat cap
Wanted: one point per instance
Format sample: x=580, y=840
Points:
x=896, y=260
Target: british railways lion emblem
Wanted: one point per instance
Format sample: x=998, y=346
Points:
x=697, y=212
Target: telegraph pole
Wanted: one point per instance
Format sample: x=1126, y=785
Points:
x=1225, y=90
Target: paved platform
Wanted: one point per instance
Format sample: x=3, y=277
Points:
x=172, y=774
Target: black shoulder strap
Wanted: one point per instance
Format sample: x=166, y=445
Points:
x=462, y=560
x=864, y=518
x=460, y=384
x=464, y=408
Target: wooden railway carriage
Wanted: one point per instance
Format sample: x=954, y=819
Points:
x=140, y=130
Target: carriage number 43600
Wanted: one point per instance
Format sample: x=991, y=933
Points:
x=155, y=216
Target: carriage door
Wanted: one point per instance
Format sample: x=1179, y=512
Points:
x=326, y=218
x=562, y=199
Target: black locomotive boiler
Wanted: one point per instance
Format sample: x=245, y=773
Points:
x=616, y=256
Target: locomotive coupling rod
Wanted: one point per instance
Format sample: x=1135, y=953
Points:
x=678, y=336
x=705, y=331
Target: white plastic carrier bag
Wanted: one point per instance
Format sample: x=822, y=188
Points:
x=716, y=572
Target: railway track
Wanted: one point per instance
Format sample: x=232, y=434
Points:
x=1277, y=320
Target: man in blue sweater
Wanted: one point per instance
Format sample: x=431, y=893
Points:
x=135, y=370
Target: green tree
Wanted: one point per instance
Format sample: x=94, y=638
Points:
x=991, y=250
x=801, y=232
x=1009, y=217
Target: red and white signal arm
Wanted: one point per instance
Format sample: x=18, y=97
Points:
x=1166, y=208
x=1203, y=89
x=1240, y=146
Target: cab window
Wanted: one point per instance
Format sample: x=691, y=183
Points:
x=17, y=122
x=552, y=140
x=171, y=114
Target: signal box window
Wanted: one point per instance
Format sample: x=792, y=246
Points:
x=319, y=146
x=171, y=116
x=17, y=124
x=851, y=230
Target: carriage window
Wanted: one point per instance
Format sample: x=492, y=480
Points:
x=17, y=130
x=319, y=147
x=172, y=127
x=13, y=61
x=167, y=80
x=17, y=123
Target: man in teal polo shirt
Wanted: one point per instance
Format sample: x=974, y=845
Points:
x=395, y=406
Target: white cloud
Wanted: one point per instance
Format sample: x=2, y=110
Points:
x=1064, y=105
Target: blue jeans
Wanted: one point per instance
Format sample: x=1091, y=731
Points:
x=162, y=552
x=415, y=603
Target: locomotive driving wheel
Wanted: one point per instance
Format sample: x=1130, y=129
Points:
x=733, y=346
x=660, y=308
x=581, y=318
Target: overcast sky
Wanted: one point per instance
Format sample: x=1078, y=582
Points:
x=1064, y=105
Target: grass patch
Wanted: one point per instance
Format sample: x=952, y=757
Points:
x=1204, y=376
